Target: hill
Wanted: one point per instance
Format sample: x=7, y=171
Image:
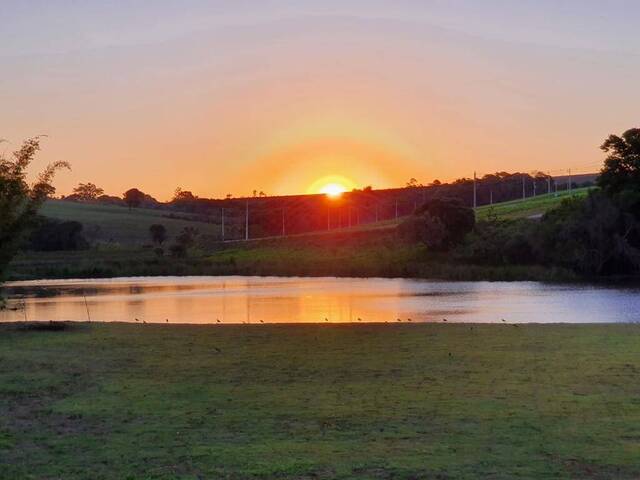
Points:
x=531, y=207
x=115, y=224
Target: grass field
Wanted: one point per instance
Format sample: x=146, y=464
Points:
x=107, y=223
x=531, y=207
x=121, y=401
x=114, y=224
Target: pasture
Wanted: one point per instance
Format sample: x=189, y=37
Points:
x=119, y=225
x=325, y=401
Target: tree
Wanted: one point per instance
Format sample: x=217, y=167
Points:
x=621, y=171
x=158, y=233
x=413, y=183
x=458, y=219
x=133, y=197
x=19, y=202
x=54, y=235
x=86, y=192
x=424, y=229
x=187, y=236
x=183, y=195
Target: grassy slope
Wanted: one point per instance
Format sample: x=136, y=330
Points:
x=320, y=401
x=532, y=206
x=118, y=223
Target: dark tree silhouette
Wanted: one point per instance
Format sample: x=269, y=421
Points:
x=158, y=233
x=133, y=197
x=86, y=192
x=621, y=169
x=19, y=202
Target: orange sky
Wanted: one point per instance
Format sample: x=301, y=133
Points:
x=276, y=103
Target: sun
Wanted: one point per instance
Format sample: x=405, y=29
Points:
x=333, y=190
x=333, y=186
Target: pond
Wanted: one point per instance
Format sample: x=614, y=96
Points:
x=302, y=300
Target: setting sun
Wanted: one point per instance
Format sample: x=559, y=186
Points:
x=332, y=185
x=333, y=190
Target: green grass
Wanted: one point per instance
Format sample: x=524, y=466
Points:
x=409, y=261
x=531, y=207
x=320, y=401
x=114, y=224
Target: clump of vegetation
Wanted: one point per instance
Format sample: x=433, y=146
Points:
x=55, y=235
x=87, y=192
x=595, y=235
x=440, y=224
x=19, y=201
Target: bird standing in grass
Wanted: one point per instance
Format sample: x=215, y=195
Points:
x=444, y=319
x=217, y=320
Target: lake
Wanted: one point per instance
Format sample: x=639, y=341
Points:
x=303, y=300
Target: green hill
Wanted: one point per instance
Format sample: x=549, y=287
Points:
x=531, y=207
x=115, y=224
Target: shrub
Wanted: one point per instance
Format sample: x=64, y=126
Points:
x=440, y=224
x=178, y=250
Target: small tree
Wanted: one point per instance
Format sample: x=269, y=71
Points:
x=183, y=195
x=187, y=236
x=87, y=192
x=133, y=198
x=621, y=169
x=440, y=223
x=158, y=233
x=19, y=202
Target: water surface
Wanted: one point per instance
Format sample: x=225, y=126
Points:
x=302, y=300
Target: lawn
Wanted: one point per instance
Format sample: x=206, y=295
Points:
x=114, y=224
x=320, y=402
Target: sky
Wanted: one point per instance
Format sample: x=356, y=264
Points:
x=221, y=97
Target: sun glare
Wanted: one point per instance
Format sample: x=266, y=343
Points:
x=333, y=190
x=332, y=186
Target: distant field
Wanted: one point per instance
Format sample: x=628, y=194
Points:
x=378, y=402
x=533, y=206
x=114, y=224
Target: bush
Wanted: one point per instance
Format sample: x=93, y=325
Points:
x=51, y=235
x=440, y=224
x=178, y=250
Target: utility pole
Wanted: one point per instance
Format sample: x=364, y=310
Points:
x=491, y=197
x=283, y=230
x=376, y=213
x=246, y=220
x=475, y=192
x=396, y=208
x=569, y=180
x=328, y=217
x=524, y=193
x=534, y=187
x=222, y=224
